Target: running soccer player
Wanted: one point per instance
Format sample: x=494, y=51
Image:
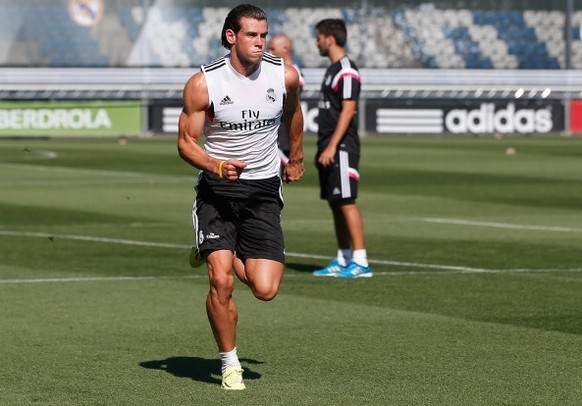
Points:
x=237, y=103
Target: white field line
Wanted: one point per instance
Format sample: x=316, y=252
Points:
x=43, y=154
x=39, y=154
x=76, y=171
x=182, y=246
x=94, y=177
x=90, y=238
x=444, y=269
x=93, y=172
x=461, y=222
x=95, y=182
x=97, y=279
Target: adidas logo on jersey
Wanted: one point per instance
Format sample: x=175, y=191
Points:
x=226, y=101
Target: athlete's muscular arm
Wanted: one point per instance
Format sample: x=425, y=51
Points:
x=327, y=156
x=190, y=126
x=293, y=120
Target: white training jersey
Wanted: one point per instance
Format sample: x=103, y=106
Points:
x=245, y=115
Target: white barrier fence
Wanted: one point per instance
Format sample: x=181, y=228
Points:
x=151, y=83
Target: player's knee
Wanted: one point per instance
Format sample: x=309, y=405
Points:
x=221, y=284
x=265, y=281
x=265, y=294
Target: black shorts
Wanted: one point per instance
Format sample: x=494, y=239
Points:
x=339, y=181
x=242, y=216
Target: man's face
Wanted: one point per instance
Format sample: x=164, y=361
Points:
x=322, y=42
x=249, y=42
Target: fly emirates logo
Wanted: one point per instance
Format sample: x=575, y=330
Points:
x=507, y=120
x=250, y=121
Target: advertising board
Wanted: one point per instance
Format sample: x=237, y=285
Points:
x=464, y=116
x=424, y=116
x=74, y=118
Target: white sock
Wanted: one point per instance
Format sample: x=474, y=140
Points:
x=361, y=257
x=344, y=256
x=228, y=359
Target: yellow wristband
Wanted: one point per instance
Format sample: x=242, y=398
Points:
x=220, y=165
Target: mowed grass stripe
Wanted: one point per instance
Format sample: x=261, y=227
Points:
x=145, y=344
x=450, y=268
x=203, y=276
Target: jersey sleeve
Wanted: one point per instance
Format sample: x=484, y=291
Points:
x=347, y=83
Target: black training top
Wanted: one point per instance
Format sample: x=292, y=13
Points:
x=341, y=82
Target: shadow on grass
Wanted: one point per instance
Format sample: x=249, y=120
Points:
x=199, y=369
x=307, y=268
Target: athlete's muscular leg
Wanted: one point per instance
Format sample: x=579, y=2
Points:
x=263, y=276
x=220, y=306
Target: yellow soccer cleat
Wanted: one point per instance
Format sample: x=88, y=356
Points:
x=232, y=378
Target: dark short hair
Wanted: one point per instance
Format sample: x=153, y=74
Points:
x=334, y=27
x=232, y=21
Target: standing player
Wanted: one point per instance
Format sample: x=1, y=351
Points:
x=338, y=151
x=237, y=103
x=281, y=46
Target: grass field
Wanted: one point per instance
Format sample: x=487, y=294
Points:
x=476, y=298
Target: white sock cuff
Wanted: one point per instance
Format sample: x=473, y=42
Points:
x=229, y=358
x=361, y=257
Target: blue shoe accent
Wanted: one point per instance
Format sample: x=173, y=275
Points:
x=354, y=270
x=331, y=269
